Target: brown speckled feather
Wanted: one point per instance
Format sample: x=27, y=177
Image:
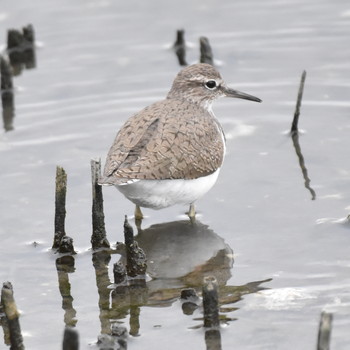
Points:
x=152, y=146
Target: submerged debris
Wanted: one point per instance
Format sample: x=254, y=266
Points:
x=190, y=301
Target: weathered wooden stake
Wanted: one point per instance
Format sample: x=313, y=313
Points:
x=5, y=326
x=324, y=331
x=8, y=110
x=180, y=47
x=210, y=302
x=12, y=315
x=18, y=39
x=28, y=34
x=135, y=256
x=21, y=48
x=60, y=206
x=206, y=51
x=213, y=339
x=294, y=128
x=6, y=75
x=70, y=339
x=98, y=238
x=7, y=96
x=66, y=246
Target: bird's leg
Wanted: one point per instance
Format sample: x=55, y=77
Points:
x=138, y=213
x=138, y=217
x=191, y=212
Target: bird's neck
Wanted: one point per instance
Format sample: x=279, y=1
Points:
x=202, y=103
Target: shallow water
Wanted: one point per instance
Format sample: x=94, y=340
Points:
x=98, y=62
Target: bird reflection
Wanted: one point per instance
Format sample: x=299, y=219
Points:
x=179, y=255
x=185, y=250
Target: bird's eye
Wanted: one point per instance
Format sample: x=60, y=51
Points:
x=211, y=84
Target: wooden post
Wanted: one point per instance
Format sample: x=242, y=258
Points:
x=180, y=47
x=206, y=51
x=7, y=96
x=98, y=238
x=294, y=128
x=6, y=75
x=324, y=331
x=210, y=302
x=60, y=206
x=12, y=315
x=213, y=339
x=70, y=339
x=135, y=256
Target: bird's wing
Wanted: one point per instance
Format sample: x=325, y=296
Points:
x=133, y=133
x=151, y=146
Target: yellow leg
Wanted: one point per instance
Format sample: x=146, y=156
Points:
x=138, y=213
x=191, y=212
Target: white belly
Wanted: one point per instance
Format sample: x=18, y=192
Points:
x=158, y=194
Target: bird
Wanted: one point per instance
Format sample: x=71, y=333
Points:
x=171, y=152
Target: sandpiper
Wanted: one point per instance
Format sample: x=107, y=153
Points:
x=171, y=152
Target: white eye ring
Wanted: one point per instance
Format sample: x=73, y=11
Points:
x=211, y=84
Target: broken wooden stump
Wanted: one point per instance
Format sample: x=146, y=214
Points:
x=70, y=339
x=12, y=316
x=21, y=48
x=210, y=302
x=98, y=237
x=135, y=257
x=206, y=51
x=60, y=206
x=324, y=331
x=180, y=47
x=294, y=128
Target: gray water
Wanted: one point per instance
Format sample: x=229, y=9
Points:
x=98, y=62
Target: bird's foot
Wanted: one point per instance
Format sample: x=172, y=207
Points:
x=192, y=212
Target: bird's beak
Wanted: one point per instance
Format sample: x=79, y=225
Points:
x=238, y=94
